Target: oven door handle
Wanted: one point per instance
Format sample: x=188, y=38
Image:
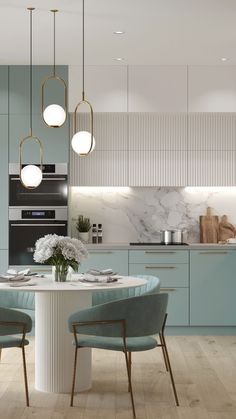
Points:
x=44, y=178
x=37, y=225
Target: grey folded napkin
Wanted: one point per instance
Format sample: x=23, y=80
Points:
x=15, y=278
x=95, y=279
x=105, y=272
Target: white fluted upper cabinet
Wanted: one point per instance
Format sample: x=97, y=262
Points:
x=157, y=88
x=212, y=149
x=212, y=88
x=158, y=149
x=105, y=87
x=107, y=165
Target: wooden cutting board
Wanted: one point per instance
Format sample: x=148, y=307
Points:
x=209, y=227
x=226, y=229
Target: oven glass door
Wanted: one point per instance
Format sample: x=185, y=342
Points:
x=23, y=235
x=51, y=192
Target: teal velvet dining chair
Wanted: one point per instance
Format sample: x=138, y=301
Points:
x=125, y=325
x=13, y=327
x=105, y=296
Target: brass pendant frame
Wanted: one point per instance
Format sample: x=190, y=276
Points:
x=62, y=81
x=85, y=101
x=22, y=141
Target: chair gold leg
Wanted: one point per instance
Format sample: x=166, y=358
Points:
x=74, y=377
x=130, y=384
x=25, y=377
x=0, y=354
x=163, y=351
x=170, y=371
x=130, y=363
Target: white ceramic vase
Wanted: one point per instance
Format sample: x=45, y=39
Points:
x=84, y=236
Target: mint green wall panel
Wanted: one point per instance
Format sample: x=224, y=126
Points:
x=212, y=288
x=4, y=89
x=19, y=88
x=3, y=261
x=55, y=140
x=104, y=259
x=4, y=181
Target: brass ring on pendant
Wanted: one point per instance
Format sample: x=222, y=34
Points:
x=65, y=96
x=91, y=122
x=22, y=141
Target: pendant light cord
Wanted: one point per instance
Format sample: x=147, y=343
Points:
x=54, y=42
x=83, y=51
x=31, y=75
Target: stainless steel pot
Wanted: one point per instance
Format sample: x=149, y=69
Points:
x=172, y=236
x=177, y=236
x=166, y=236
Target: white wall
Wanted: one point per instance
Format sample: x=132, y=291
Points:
x=121, y=88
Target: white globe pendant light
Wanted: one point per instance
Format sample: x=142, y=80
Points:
x=30, y=174
x=54, y=115
x=83, y=142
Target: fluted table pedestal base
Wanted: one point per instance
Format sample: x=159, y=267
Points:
x=53, y=342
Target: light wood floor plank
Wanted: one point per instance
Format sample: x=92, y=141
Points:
x=204, y=369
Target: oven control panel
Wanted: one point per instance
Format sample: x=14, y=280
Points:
x=38, y=214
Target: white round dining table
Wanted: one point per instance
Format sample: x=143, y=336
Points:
x=54, y=351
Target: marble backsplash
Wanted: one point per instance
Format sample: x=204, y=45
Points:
x=137, y=214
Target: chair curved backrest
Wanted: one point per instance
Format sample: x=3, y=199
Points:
x=104, y=296
x=8, y=315
x=17, y=299
x=144, y=316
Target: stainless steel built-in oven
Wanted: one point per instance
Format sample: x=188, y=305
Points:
x=28, y=225
x=52, y=191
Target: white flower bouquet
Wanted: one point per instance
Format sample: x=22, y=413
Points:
x=61, y=252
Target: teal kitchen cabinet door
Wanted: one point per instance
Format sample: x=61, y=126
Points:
x=3, y=261
x=178, y=306
x=170, y=275
x=55, y=141
x=212, y=287
x=3, y=89
x=4, y=181
x=19, y=88
x=158, y=256
x=104, y=259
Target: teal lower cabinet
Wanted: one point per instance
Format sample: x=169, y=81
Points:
x=178, y=306
x=103, y=259
x=212, y=287
x=3, y=261
x=172, y=268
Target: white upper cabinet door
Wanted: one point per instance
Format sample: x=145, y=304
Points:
x=158, y=149
x=212, y=88
x=211, y=149
x=157, y=89
x=105, y=87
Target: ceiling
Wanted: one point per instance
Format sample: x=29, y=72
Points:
x=156, y=31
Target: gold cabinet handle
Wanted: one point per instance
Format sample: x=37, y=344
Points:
x=214, y=253
x=104, y=252
x=158, y=252
x=168, y=289
x=159, y=267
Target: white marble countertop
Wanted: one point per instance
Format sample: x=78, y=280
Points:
x=190, y=246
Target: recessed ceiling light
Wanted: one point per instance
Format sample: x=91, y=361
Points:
x=118, y=59
x=223, y=59
x=119, y=32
